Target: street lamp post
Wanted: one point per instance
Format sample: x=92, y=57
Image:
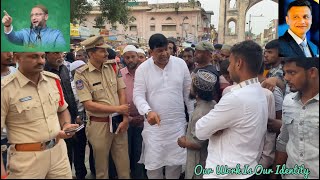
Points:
x=250, y=16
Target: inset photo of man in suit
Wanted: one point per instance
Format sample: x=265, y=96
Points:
x=301, y=39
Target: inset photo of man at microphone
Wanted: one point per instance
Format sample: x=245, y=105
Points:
x=39, y=25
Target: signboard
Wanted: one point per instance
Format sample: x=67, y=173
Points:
x=74, y=30
x=133, y=3
x=84, y=32
x=112, y=38
x=95, y=31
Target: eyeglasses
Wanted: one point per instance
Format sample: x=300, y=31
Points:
x=36, y=14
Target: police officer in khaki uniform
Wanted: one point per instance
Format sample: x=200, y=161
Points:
x=34, y=112
x=101, y=89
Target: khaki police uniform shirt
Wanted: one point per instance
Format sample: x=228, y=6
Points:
x=99, y=86
x=29, y=111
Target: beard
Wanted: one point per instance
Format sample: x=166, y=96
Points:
x=59, y=62
x=190, y=64
x=132, y=66
x=39, y=25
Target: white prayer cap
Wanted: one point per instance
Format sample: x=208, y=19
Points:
x=74, y=65
x=141, y=51
x=129, y=48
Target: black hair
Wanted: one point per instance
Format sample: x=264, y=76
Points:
x=217, y=46
x=204, y=95
x=157, y=41
x=299, y=3
x=304, y=62
x=274, y=44
x=224, y=66
x=112, y=53
x=261, y=70
x=188, y=49
x=174, y=46
x=70, y=57
x=251, y=53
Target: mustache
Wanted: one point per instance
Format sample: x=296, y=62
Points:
x=36, y=27
x=39, y=66
x=61, y=60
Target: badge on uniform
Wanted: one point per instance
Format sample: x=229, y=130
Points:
x=79, y=84
x=28, y=98
x=119, y=74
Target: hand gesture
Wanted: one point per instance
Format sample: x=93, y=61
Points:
x=269, y=83
x=79, y=120
x=153, y=118
x=182, y=141
x=123, y=126
x=274, y=125
x=123, y=109
x=7, y=19
x=65, y=135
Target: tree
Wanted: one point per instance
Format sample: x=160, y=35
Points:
x=78, y=11
x=99, y=21
x=192, y=3
x=115, y=11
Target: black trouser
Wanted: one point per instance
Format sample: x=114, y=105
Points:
x=69, y=143
x=4, y=153
x=80, y=142
x=134, y=146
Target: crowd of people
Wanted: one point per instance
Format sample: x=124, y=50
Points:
x=205, y=111
x=216, y=107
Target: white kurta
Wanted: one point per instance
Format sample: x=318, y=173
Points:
x=163, y=91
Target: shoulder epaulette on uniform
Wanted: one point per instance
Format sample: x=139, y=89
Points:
x=110, y=61
x=6, y=80
x=83, y=68
x=50, y=74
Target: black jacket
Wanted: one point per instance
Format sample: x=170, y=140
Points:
x=63, y=73
x=288, y=47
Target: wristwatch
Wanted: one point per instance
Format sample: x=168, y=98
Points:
x=146, y=114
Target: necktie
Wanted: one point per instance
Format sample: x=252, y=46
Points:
x=305, y=49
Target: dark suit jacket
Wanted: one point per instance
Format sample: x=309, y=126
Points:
x=288, y=47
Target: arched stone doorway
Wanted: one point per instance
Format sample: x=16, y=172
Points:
x=236, y=12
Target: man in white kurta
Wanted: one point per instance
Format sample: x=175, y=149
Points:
x=161, y=86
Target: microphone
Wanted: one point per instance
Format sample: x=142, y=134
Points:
x=38, y=30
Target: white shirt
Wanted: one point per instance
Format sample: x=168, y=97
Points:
x=299, y=40
x=76, y=97
x=268, y=145
x=242, y=114
x=164, y=91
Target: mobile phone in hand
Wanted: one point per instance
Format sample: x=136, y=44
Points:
x=74, y=130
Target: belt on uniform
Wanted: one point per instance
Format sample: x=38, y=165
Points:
x=99, y=119
x=36, y=146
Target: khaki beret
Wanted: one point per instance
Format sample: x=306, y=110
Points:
x=205, y=46
x=94, y=42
